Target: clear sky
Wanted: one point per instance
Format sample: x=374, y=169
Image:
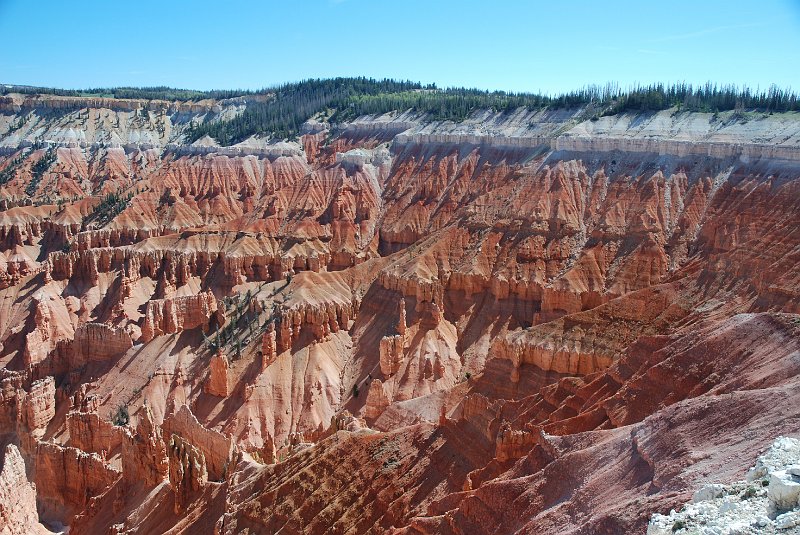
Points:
x=519, y=45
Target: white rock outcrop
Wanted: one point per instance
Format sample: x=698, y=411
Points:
x=767, y=502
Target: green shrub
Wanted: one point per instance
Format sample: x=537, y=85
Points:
x=121, y=416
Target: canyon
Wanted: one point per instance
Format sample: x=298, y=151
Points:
x=523, y=322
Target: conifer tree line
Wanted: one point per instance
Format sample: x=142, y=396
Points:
x=146, y=93
x=282, y=116
x=348, y=98
x=707, y=98
x=290, y=105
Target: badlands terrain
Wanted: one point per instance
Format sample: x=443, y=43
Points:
x=525, y=322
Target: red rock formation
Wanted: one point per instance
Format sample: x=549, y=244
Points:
x=377, y=399
x=319, y=320
x=67, y=478
x=269, y=348
x=218, y=451
x=98, y=342
x=144, y=453
x=218, y=380
x=90, y=432
x=51, y=323
x=187, y=471
x=18, y=515
x=513, y=443
x=391, y=354
x=38, y=406
x=168, y=316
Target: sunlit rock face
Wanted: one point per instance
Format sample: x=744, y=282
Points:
x=524, y=322
x=17, y=497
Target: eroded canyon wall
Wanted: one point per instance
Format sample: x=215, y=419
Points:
x=392, y=325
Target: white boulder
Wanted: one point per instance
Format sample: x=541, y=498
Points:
x=788, y=520
x=708, y=492
x=784, y=490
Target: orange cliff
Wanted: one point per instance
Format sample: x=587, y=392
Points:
x=392, y=326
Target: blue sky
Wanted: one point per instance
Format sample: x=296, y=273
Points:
x=515, y=45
